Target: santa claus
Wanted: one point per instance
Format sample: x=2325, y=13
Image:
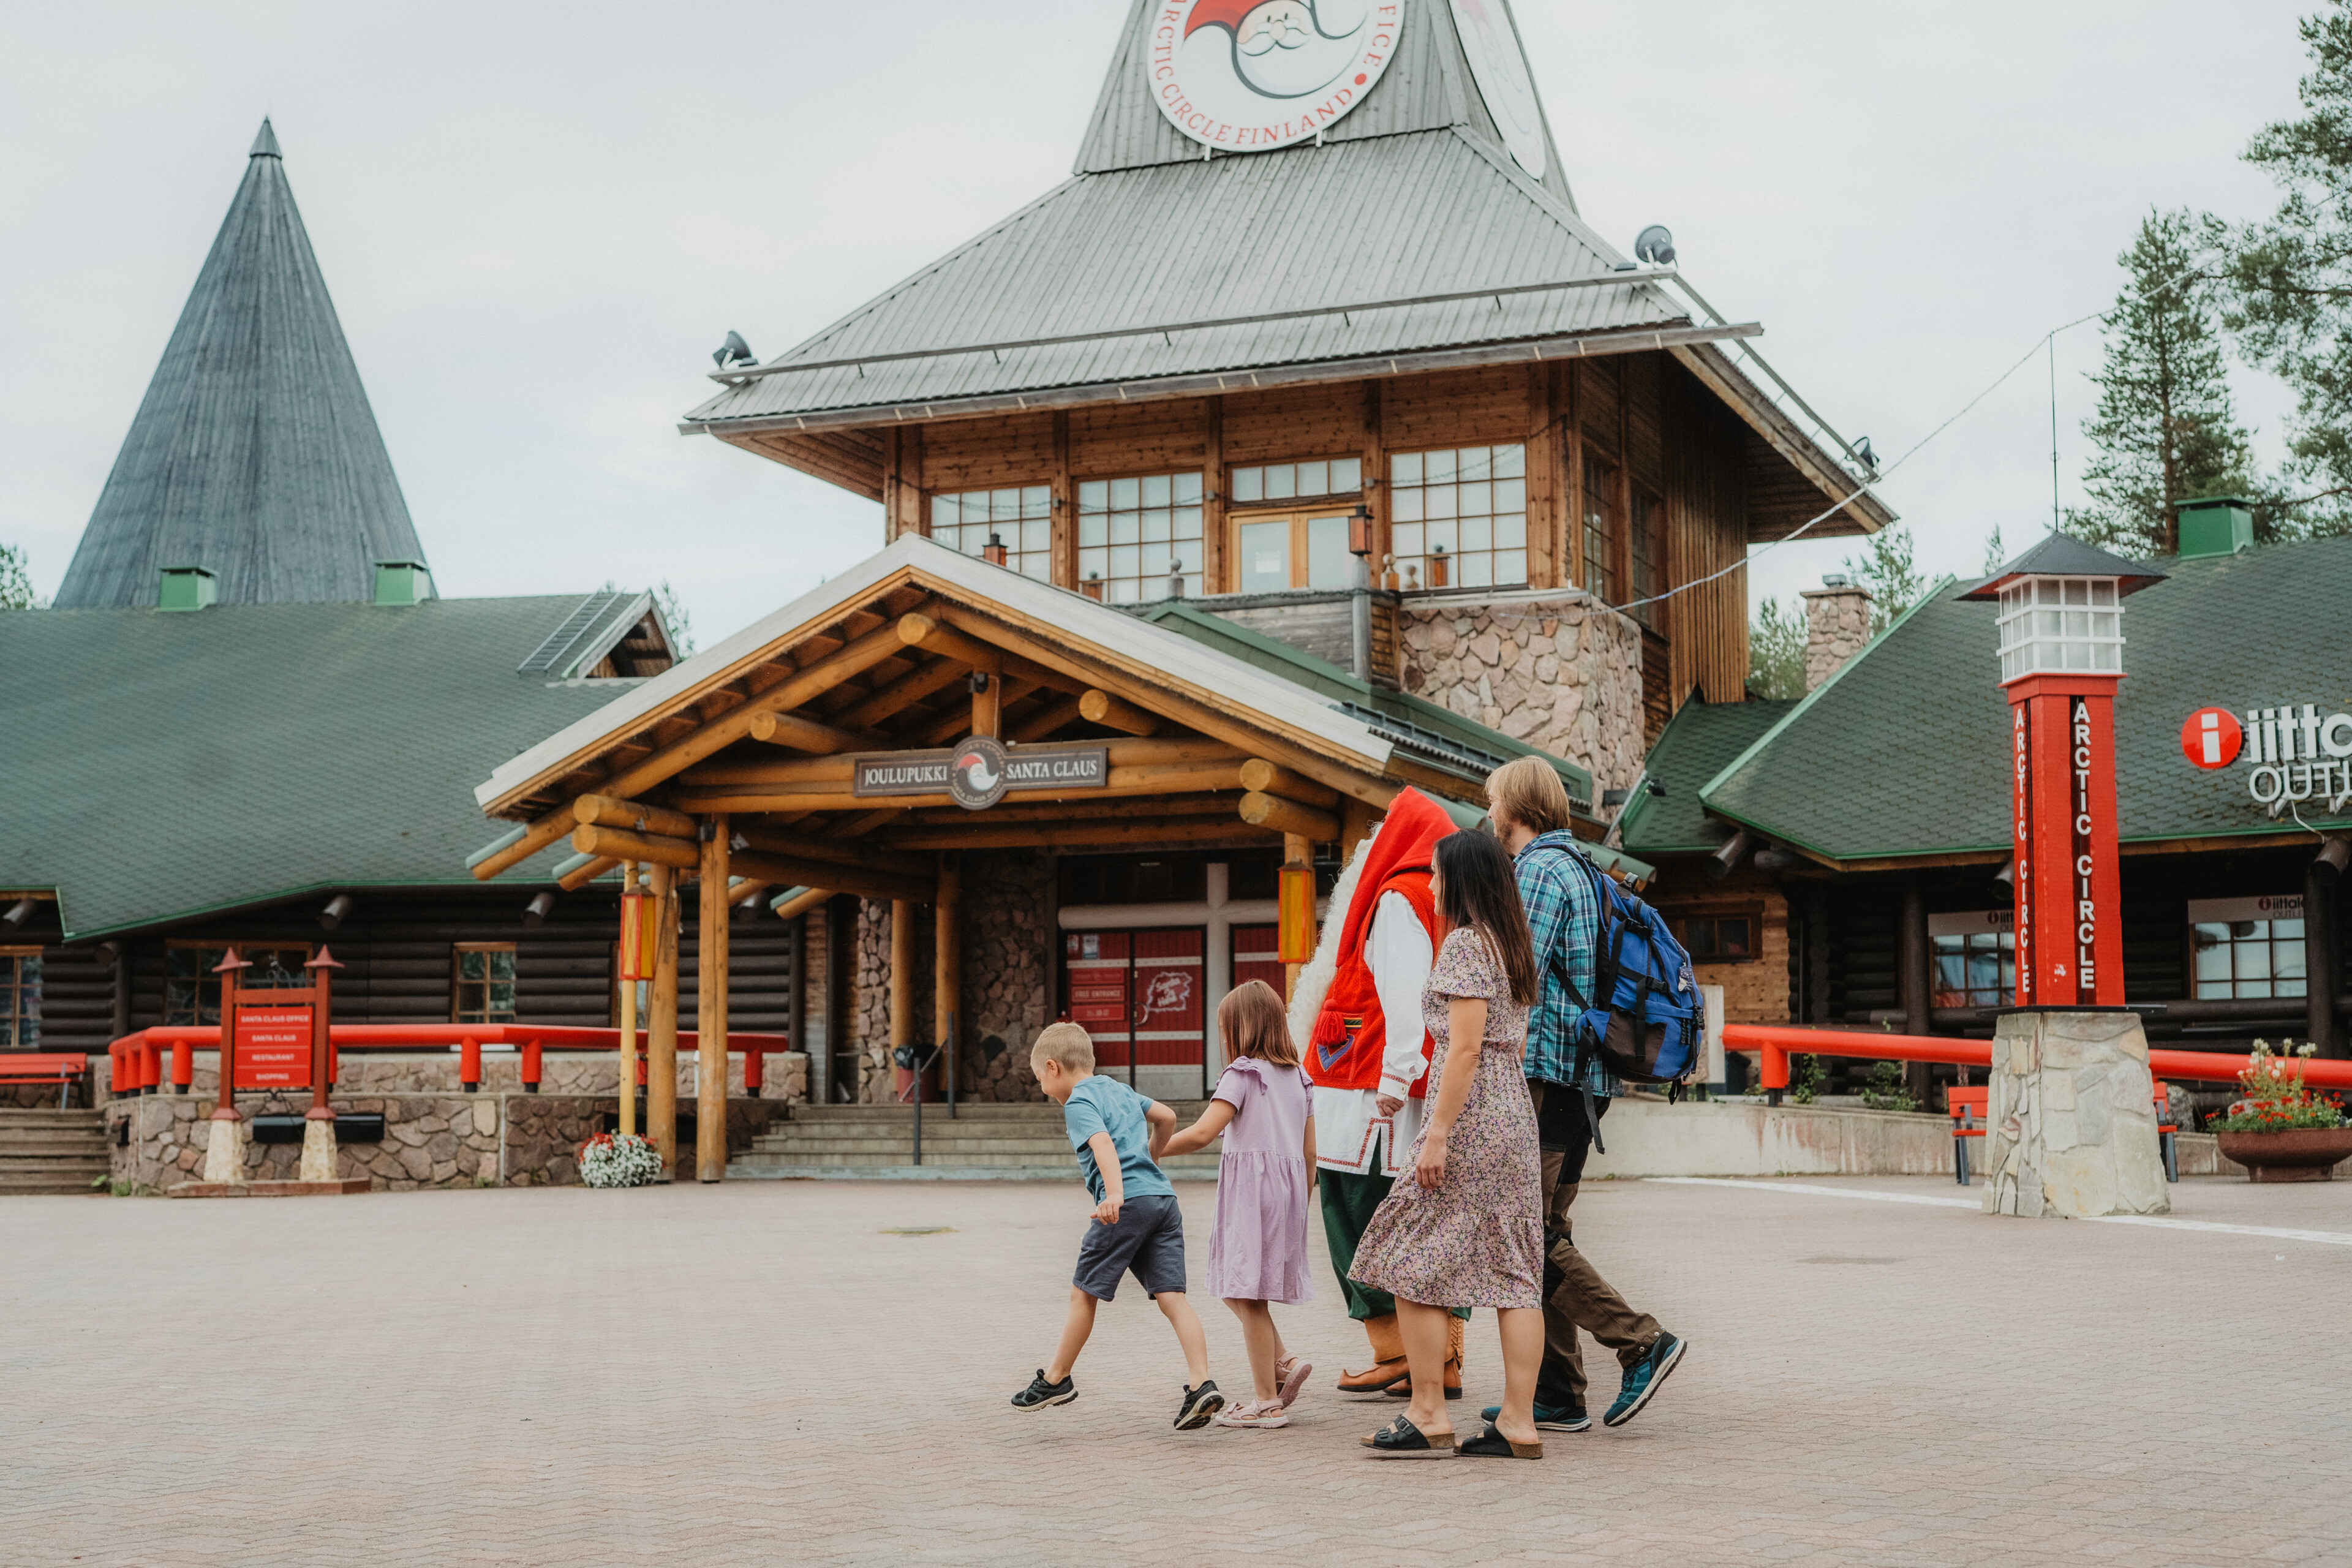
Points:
x=1358, y=1005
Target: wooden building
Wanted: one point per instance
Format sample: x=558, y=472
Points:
x=1844, y=860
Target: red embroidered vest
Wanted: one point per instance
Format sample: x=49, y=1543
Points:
x=1351, y=1033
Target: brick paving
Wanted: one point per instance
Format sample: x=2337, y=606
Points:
x=759, y=1374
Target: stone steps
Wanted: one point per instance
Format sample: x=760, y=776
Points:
x=987, y=1138
x=46, y=1151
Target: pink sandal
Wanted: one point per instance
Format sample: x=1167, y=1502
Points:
x=1291, y=1373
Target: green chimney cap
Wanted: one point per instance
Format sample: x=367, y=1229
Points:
x=187, y=589
x=403, y=582
x=2215, y=525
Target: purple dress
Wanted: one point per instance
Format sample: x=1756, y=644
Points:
x=1257, y=1250
x=1477, y=1240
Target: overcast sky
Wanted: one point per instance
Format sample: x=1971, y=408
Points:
x=538, y=220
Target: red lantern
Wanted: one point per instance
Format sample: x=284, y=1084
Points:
x=638, y=939
x=1295, y=941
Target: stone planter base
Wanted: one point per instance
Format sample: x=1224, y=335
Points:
x=2299, y=1155
x=268, y=1189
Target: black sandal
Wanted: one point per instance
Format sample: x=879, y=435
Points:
x=1492, y=1445
x=1400, y=1439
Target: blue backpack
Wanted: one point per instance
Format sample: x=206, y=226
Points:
x=1644, y=1021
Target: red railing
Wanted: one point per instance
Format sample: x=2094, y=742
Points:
x=1775, y=1043
x=137, y=1059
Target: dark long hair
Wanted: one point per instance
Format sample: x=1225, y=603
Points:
x=1477, y=888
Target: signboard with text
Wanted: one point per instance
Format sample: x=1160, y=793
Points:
x=981, y=771
x=273, y=1046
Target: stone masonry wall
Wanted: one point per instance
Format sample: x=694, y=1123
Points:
x=1006, y=981
x=1556, y=670
x=1837, y=624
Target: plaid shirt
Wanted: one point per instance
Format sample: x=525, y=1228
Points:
x=1564, y=919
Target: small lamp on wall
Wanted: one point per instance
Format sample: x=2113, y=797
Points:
x=993, y=551
x=1359, y=530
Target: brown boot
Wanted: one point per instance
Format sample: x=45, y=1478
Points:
x=1453, y=1348
x=1388, y=1359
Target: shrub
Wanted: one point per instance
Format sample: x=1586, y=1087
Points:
x=618, y=1160
x=2275, y=1100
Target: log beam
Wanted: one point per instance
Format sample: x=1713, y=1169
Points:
x=772, y=841
x=765, y=773
x=571, y=883
x=1152, y=778
x=609, y=811
x=1083, y=836
x=536, y=837
x=803, y=902
x=1045, y=721
x=710, y=1010
x=1273, y=778
x=918, y=630
x=1289, y=818
x=661, y=1028
x=806, y=734
x=899, y=695
x=680, y=853
x=1099, y=707
x=792, y=872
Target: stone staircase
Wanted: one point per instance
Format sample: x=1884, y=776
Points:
x=50, y=1150
x=982, y=1142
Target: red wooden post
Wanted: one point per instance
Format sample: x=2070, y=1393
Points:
x=470, y=1064
x=322, y=1011
x=147, y=1069
x=2070, y=943
x=754, y=1070
x=228, y=969
x=531, y=1066
x=183, y=1065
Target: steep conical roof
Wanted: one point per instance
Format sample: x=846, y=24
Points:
x=254, y=453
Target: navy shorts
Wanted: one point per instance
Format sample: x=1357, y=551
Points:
x=1148, y=1242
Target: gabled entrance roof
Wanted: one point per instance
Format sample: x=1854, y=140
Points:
x=1202, y=744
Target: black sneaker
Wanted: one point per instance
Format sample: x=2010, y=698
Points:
x=1199, y=1404
x=1551, y=1417
x=1643, y=1378
x=1040, y=1393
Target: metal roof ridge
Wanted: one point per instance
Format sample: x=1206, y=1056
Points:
x=1805, y=703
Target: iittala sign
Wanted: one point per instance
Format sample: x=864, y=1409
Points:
x=1249, y=75
x=2292, y=753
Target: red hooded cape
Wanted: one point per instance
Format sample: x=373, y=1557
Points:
x=1351, y=1033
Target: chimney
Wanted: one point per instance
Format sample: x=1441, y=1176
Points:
x=1837, y=624
x=403, y=582
x=185, y=588
x=2215, y=525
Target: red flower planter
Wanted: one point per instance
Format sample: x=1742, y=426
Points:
x=2298, y=1155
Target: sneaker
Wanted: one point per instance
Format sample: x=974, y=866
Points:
x=1200, y=1408
x=1643, y=1378
x=1261, y=1413
x=1551, y=1417
x=1040, y=1393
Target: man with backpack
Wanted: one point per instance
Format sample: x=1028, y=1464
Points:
x=1572, y=1088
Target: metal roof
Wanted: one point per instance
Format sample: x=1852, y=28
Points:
x=254, y=453
x=329, y=745
x=1426, y=241
x=1429, y=86
x=2063, y=556
x=1905, y=751
x=587, y=635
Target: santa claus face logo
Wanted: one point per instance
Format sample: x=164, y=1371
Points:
x=1248, y=74
x=976, y=778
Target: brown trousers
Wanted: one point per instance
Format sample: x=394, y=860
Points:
x=1575, y=1295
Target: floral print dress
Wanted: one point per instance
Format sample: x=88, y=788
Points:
x=1476, y=1240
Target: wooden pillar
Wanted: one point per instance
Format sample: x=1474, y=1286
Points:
x=1621, y=527
x=1356, y=819
x=902, y=976
x=988, y=705
x=796, y=1000
x=1912, y=979
x=840, y=931
x=1214, y=572
x=1571, y=510
x=1065, y=566
x=661, y=1031
x=1544, y=532
x=1296, y=851
x=1376, y=482
x=626, y=1085
x=947, y=969
x=710, y=1010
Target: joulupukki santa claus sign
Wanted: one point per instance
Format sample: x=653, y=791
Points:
x=1249, y=75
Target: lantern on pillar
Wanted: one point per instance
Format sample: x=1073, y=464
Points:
x=1295, y=930
x=2061, y=646
x=639, y=940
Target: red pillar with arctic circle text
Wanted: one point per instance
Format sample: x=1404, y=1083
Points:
x=2069, y=894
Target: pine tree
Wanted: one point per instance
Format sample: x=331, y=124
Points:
x=1776, y=651
x=674, y=617
x=2165, y=431
x=1894, y=584
x=2289, y=284
x=15, y=580
x=1995, y=556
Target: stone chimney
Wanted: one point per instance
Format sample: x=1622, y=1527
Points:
x=1837, y=623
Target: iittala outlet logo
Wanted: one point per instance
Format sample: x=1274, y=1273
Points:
x=2293, y=752
x=1248, y=74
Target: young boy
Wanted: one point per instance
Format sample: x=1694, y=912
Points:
x=1135, y=1227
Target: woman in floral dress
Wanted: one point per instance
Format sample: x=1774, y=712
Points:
x=1464, y=1227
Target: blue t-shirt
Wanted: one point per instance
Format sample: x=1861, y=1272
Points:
x=1101, y=1104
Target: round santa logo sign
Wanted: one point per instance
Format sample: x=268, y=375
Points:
x=2211, y=737
x=1248, y=75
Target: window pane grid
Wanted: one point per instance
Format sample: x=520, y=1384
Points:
x=1135, y=534
x=1600, y=512
x=1978, y=970
x=20, y=1000
x=1645, y=549
x=1458, y=517
x=1021, y=518
x=482, y=989
x=2236, y=959
x=192, y=991
x=2060, y=625
x=1298, y=481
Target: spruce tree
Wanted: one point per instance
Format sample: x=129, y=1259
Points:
x=2289, y=283
x=1894, y=584
x=15, y=581
x=1776, y=651
x=2165, y=431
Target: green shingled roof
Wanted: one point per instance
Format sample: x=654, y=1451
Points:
x=1698, y=743
x=159, y=765
x=1904, y=751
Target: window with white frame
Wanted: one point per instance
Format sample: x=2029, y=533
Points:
x=1134, y=534
x=1021, y=520
x=1459, y=516
x=2061, y=623
x=1974, y=955
x=20, y=997
x=1269, y=482
x=2247, y=947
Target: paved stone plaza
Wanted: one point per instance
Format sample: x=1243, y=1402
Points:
x=769, y=1373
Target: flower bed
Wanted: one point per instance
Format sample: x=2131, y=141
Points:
x=618, y=1160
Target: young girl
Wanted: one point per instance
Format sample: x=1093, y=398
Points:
x=1257, y=1251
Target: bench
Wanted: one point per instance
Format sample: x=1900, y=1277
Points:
x=1968, y=1109
x=65, y=1069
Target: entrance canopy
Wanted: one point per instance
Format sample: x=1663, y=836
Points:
x=832, y=737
